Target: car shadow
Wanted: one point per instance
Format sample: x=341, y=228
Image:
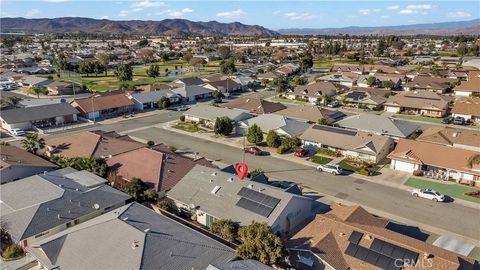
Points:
x=448, y=199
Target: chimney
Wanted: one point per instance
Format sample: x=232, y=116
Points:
x=455, y=134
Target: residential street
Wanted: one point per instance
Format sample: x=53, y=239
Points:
x=393, y=203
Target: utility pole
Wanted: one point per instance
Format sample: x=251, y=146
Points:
x=243, y=150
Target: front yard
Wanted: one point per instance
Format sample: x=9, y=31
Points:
x=453, y=190
x=320, y=159
x=419, y=118
x=185, y=126
x=358, y=167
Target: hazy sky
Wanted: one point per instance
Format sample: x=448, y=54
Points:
x=271, y=14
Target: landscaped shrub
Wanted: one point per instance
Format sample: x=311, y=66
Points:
x=327, y=152
x=150, y=143
x=417, y=173
x=182, y=118
x=282, y=149
x=365, y=171
x=12, y=251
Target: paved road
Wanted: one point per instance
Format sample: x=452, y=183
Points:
x=392, y=202
x=452, y=217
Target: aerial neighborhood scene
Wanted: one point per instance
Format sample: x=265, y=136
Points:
x=247, y=135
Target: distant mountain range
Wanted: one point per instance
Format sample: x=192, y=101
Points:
x=174, y=27
x=445, y=28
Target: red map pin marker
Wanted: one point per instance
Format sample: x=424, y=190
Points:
x=242, y=170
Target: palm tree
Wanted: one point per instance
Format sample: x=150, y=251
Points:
x=32, y=143
x=36, y=90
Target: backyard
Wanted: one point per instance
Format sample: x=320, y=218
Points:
x=453, y=190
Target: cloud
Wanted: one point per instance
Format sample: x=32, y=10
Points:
x=364, y=11
x=384, y=17
x=416, y=9
x=104, y=17
x=458, y=14
x=175, y=13
x=147, y=4
x=32, y=12
x=187, y=10
x=299, y=16
x=231, y=14
x=393, y=7
x=123, y=13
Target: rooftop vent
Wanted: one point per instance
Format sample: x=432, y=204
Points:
x=147, y=230
x=210, y=181
x=134, y=244
x=455, y=134
x=125, y=218
x=250, y=186
x=215, y=189
x=230, y=179
x=214, y=173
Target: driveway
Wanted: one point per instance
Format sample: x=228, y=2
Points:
x=454, y=245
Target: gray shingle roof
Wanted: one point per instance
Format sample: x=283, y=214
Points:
x=191, y=90
x=38, y=203
x=268, y=122
x=131, y=237
x=153, y=96
x=378, y=124
x=211, y=113
x=21, y=115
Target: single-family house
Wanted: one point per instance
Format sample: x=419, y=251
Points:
x=149, y=100
x=468, y=139
x=91, y=144
x=358, y=69
x=42, y=205
x=395, y=79
x=254, y=105
x=211, y=194
x=349, y=237
x=379, y=125
x=347, y=79
x=207, y=115
x=103, y=106
x=417, y=102
x=157, y=166
x=468, y=88
x=130, y=237
x=267, y=76
x=359, y=97
x=189, y=81
x=47, y=115
x=283, y=125
x=428, y=83
x=379, y=69
x=467, y=108
x=311, y=113
x=358, y=145
x=224, y=86
x=193, y=92
x=63, y=88
x=32, y=80
x=436, y=161
x=17, y=163
x=313, y=92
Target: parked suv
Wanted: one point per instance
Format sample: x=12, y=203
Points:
x=330, y=168
x=17, y=132
x=459, y=120
x=300, y=152
x=253, y=150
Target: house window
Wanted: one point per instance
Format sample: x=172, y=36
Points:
x=209, y=220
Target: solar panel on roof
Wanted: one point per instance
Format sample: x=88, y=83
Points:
x=351, y=249
x=335, y=130
x=254, y=207
x=376, y=245
x=355, y=237
x=372, y=257
x=258, y=197
x=410, y=257
x=383, y=262
x=387, y=249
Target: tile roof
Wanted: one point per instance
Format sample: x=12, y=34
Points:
x=38, y=203
x=467, y=105
x=130, y=237
x=418, y=99
x=160, y=168
x=327, y=236
x=102, y=102
x=311, y=113
x=95, y=143
x=14, y=156
x=255, y=105
x=20, y=115
x=315, y=89
x=442, y=156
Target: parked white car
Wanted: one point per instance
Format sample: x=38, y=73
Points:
x=428, y=194
x=17, y=132
x=330, y=168
x=182, y=108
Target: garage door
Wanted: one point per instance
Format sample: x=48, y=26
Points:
x=404, y=166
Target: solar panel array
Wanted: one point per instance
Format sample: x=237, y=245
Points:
x=256, y=202
x=381, y=254
x=335, y=130
x=356, y=95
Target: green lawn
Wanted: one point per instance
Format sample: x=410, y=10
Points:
x=328, y=63
x=346, y=166
x=419, y=118
x=320, y=159
x=453, y=190
x=186, y=127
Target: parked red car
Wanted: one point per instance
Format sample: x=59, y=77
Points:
x=253, y=150
x=300, y=152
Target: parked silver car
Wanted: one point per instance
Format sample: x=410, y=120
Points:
x=428, y=194
x=330, y=168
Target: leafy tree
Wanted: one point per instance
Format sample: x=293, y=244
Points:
x=124, y=73
x=306, y=61
x=260, y=71
x=227, y=67
x=225, y=228
x=153, y=71
x=224, y=52
x=371, y=81
x=89, y=67
x=291, y=142
x=280, y=83
x=135, y=188
x=462, y=49
x=163, y=103
x=326, y=99
x=271, y=68
x=259, y=243
x=323, y=121
x=96, y=166
x=150, y=143
x=388, y=84
x=273, y=140
x=197, y=61
x=255, y=172
x=32, y=143
x=146, y=54
x=36, y=90
x=9, y=43
x=187, y=57
x=216, y=94
x=165, y=57
x=297, y=80
x=104, y=60
x=61, y=61
x=150, y=195
x=166, y=204
x=223, y=126
x=4, y=143
x=255, y=134
x=142, y=43
x=11, y=101
x=12, y=251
